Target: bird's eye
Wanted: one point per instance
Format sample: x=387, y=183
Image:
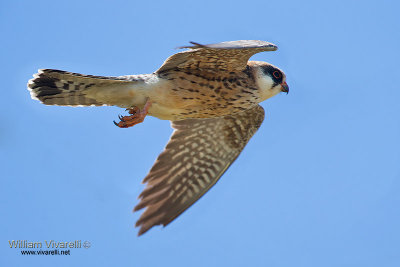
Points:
x=277, y=74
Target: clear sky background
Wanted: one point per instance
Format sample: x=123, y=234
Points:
x=318, y=185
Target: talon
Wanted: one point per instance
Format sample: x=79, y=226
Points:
x=137, y=116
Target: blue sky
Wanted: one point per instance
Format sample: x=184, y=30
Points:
x=316, y=186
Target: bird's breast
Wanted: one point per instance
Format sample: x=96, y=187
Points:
x=189, y=94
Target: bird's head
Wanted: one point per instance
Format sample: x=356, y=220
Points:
x=270, y=80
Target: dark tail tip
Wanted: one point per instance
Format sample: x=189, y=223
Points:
x=43, y=85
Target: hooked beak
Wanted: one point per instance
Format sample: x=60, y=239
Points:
x=285, y=87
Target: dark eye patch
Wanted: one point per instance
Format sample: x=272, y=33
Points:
x=277, y=75
x=274, y=73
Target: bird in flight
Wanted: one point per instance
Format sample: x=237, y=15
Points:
x=211, y=95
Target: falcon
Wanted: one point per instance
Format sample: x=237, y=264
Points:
x=211, y=95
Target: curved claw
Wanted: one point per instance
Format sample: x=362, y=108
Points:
x=120, y=117
x=116, y=124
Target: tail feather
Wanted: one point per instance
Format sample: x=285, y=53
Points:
x=56, y=87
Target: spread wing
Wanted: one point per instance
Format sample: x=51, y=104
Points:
x=198, y=153
x=228, y=56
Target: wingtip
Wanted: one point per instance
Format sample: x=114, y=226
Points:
x=137, y=208
x=272, y=46
x=143, y=228
x=194, y=45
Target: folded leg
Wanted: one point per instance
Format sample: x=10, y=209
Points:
x=137, y=116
